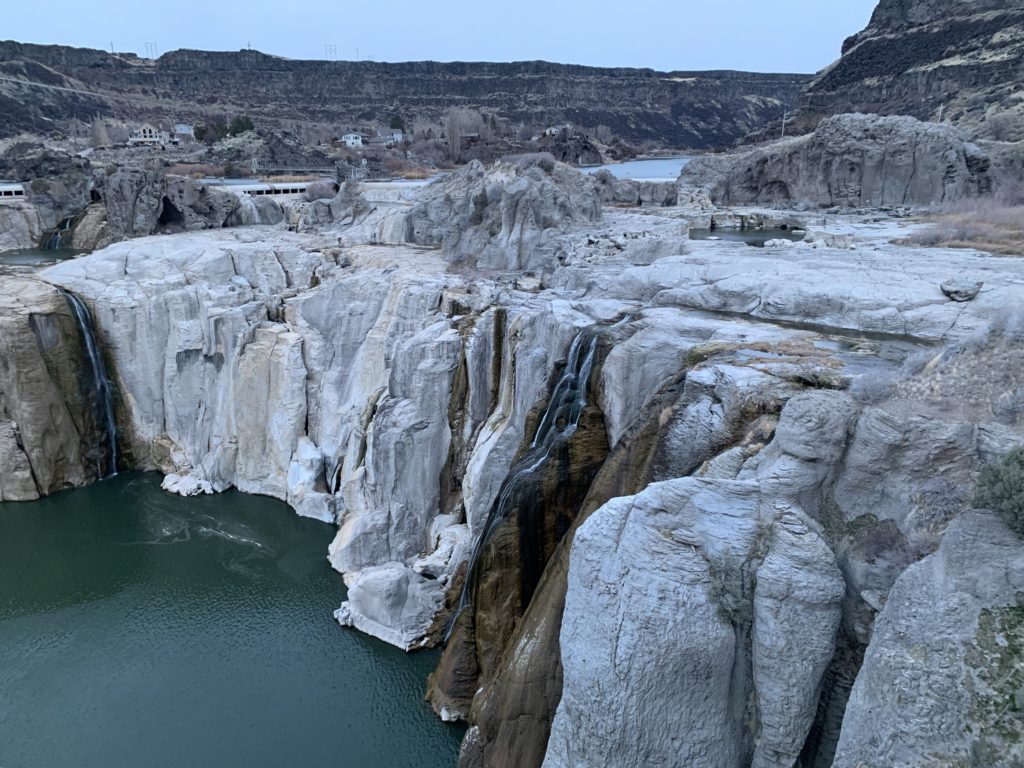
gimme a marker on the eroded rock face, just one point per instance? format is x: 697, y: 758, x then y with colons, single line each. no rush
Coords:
x: 933, y: 59
x: 499, y: 218
x: 57, y: 187
x: 144, y: 202
x: 19, y: 226
x: 46, y: 435
x: 671, y: 574
x: 638, y: 193
x: 941, y: 680
x: 850, y: 161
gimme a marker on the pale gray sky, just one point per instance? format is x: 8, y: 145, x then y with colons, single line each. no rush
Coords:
x: 758, y: 35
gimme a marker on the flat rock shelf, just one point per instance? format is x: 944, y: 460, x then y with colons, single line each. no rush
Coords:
x: 142, y: 628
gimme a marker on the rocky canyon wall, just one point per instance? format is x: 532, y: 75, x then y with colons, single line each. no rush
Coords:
x: 725, y: 562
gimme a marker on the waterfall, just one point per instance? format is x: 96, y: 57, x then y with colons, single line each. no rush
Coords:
x: 56, y: 240
x: 102, y: 387
x: 555, y: 428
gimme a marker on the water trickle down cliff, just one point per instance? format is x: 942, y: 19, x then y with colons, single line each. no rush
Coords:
x: 100, y: 391
x: 535, y: 507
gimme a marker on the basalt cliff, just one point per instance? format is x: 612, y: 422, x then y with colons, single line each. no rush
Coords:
x: 934, y: 60
x: 41, y: 87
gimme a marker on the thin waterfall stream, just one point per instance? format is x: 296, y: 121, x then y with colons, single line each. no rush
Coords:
x: 556, y: 427
x: 102, y: 387
x: 56, y: 240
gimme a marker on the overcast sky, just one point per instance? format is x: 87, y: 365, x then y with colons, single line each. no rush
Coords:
x: 779, y: 36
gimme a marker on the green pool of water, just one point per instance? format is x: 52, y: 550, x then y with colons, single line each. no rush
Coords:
x: 143, y: 629
x: 36, y: 257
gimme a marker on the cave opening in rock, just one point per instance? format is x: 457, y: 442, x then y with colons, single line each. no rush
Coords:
x: 170, y: 215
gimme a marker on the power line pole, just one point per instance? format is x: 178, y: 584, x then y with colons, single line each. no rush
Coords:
x: 151, y: 51
x: 331, y: 52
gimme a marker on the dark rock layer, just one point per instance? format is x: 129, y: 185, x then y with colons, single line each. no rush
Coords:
x: 684, y: 109
x: 932, y: 59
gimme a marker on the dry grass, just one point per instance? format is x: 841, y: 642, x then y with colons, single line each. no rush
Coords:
x: 417, y: 173
x: 292, y: 179
x: 980, y: 224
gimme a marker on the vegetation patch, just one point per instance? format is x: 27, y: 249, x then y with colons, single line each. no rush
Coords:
x: 997, y: 656
x: 1001, y: 489
x: 980, y: 224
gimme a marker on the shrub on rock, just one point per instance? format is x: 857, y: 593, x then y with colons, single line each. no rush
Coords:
x: 1001, y: 489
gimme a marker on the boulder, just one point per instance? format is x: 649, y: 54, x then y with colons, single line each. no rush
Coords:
x: 961, y: 290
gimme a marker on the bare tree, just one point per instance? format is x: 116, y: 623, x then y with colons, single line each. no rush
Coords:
x: 99, y: 136
x: 459, y: 124
x: 1006, y: 126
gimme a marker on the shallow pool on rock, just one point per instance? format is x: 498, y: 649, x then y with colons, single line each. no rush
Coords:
x: 754, y: 237
x: 140, y: 628
x: 36, y: 257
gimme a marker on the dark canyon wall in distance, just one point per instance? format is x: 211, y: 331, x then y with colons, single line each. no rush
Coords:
x: 698, y: 110
x: 934, y: 60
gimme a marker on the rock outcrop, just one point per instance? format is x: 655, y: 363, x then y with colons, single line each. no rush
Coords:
x: 145, y: 202
x: 730, y: 581
x: 58, y: 187
x: 850, y: 161
x: 932, y: 59
x: 942, y: 679
x: 92, y: 207
x: 629, y: 192
x: 502, y: 217
x: 47, y: 433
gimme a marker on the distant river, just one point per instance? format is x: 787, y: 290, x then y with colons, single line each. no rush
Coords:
x: 661, y: 168
x: 143, y: 629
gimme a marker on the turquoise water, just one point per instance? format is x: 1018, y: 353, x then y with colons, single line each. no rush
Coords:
x: 143, y: 629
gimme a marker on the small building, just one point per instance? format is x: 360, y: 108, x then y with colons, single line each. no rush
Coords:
x: 147, y: 135
x: 391, y: 136
x: 352, y: 140
x: 554, y: 130
x: 10, y: 191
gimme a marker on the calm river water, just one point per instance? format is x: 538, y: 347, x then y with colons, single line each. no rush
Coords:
x: 143, y: 629
x: 659, y: 168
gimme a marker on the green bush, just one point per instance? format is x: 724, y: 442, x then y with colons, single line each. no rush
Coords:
x: 1001, y: 488
x: 240, y: 125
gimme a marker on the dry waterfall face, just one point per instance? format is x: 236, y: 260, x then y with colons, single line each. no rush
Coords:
x: 754, y: 547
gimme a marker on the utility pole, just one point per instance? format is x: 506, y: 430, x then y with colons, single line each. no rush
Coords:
x: 151, y: 51
x: 330, y: 52
x: 111, y: 47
